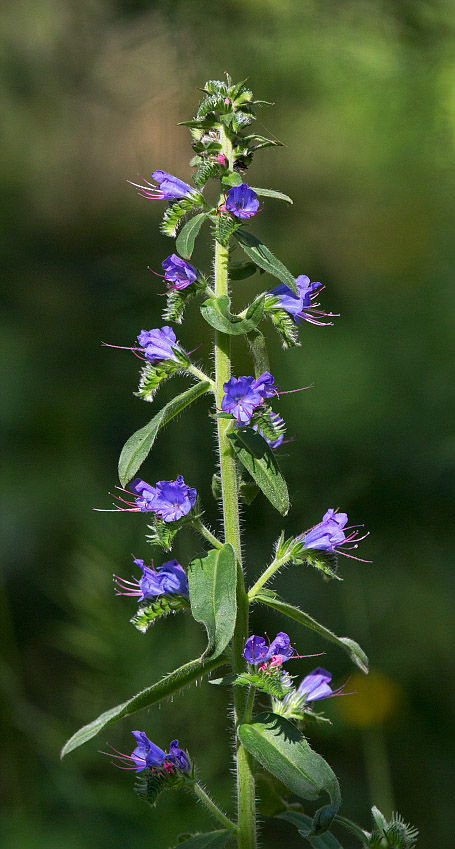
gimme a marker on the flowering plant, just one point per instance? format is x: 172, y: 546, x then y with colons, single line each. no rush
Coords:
x: 213, y: 587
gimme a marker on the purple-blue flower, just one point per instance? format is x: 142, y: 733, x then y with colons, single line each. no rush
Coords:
x: 147, y: 755
x: 158, y: 344
x: 164, y: 580
x: 241, y: 201
x: 178, y: 272
x: 315, y: 686
x: 244, y: 394
x: 302, y: 306
x: 329, y: 534
x: 168, y: 188
x: 170, y: 500
x: 256, y: 650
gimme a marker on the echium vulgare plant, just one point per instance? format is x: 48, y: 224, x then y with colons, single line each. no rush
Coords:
x: 272, y: 710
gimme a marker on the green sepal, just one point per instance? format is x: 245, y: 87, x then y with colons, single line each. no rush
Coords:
x: 226, y: 225
x: 271, y: 193
x: 152, y: 609
x: 151, y: 782
x: 325, y: 561
x: 258, y: 459
x: 353, y: 649
x: 266, y: 424
x: 212, y: 581
x: 262, y: 256
x: 167, y: 686
x: 282, y: 321
x: 177, y: 299
x: 154, y: 374
x: 138, y: 446
x: 209, y: 840
x: 163, y: 533
x: 282, y: 750
x: 187, y: 236
x: 206, y: 169
x: 268, y: 682
x: 304, y: 825
x: 176, y: 211
x: 232, y: 179
x: 242, y: 270
x: 217, y: 313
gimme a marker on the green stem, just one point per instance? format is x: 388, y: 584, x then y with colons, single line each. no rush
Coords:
x: 274, y: 566
x: 204, y: 378
x: 203, y: 797
x: 246, y: 834
x: 207, y: 534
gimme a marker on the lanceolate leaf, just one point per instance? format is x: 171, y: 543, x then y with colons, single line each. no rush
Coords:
x: 187, y: 236
x: 282, y: 750
x: 305, y: 825
x: 212, y: 580
x: 262, y: 256
x: 254, y: 453
x: 271, y: 193
x: 138, y: 446
x: 209, y: 840
x: 356, y: 654
x: 216, y: 312
x: 167, y: 686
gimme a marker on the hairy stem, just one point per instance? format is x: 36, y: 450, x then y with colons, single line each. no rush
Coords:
x: 267, y: 574
x: 203, y: 797
x: 246, y: 834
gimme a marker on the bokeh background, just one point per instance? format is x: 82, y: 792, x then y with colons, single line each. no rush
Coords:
x: 91, y: 93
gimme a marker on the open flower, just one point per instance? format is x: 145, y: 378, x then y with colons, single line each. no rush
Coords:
x: 329, y: 534
x: 242, y: 201
x: 178, y: 273
x: 166, y: 579
x: 244, y: 394
x: 170, y: 500
x: 168, y: 188
x: 147, y: 755
x: 158, y: 344
x: 256, y: 650
x: 302, y: 306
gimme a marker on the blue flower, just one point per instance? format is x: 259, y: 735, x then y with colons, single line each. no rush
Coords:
x: 169, y: 187
x: 315, y: 686
x: 256, y: 650
x: 170, y: 500
x: 158, y: 344
x: 329, y: 534
x: 178, y: 272
x: 164, y: 580
x: 302, y: 306
x: 244, y: 394
x: 241, y: 201
x: 147, y: 755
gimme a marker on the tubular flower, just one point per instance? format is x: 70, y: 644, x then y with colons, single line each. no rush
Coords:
x: 244, y: 394
x: 158, y: 344
x: 164, y: 580
x: 315, y: 686
x: 178, y: 274
x: 329, y: 534
x: 147, y: 755
x: 170, y: 500
x: 168, y: 188
x: 269, y: 656
x: 242, y: 201
x: 302, y: 306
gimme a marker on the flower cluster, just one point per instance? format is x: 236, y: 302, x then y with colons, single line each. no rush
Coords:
x: 268, y: 656
x: 147, y: 755
x: 167, y: 579
x: 302, y: 306
x: 170, y: 500
x: 244, y: 394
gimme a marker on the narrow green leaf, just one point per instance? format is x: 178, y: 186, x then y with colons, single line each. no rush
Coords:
x: 262, y: 256
x: 216, y: 312
x: 258, y: 459
x: 167, y: 686
x: 353, y: 649
x: 304, y: 825
x: 209, y: 840
x: 271, y: 193
x: 282, y: 750
x: 242, y: 270
x: 138, y: 446
x: 212, y: 580
x: 187, y: 236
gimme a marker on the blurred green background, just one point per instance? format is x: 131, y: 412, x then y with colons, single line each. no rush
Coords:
x: 365, y: 106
